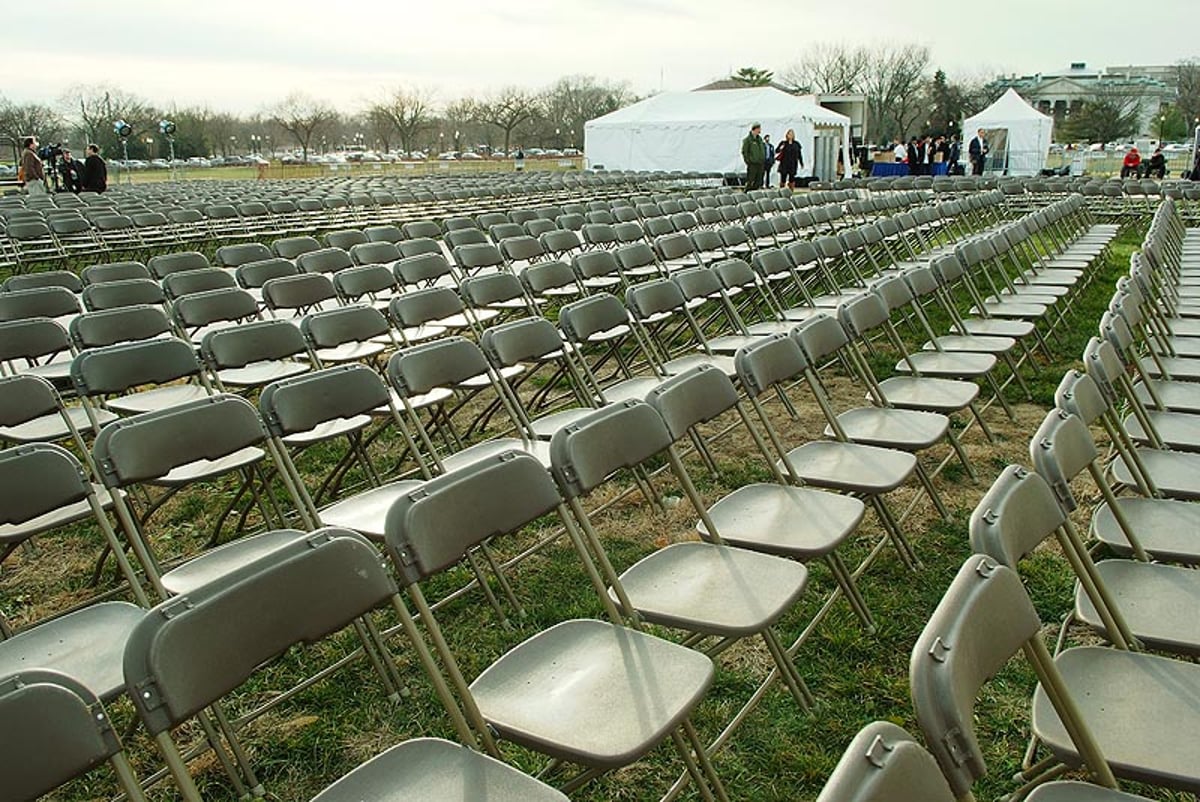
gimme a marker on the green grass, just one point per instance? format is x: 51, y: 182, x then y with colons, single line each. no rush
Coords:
x: 780, y: 753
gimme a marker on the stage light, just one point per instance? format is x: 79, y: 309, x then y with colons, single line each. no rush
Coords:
x: 123, y: 129
x: 166, y: 127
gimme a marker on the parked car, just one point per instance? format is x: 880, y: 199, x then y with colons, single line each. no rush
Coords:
x: 448, y: 156
x: 471, y: 156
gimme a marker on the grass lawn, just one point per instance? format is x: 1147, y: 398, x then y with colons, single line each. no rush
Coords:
x: 780, y: 753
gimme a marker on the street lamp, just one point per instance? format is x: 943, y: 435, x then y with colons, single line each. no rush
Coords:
x: 456, y: 145
x: 233, y: 146
x: 149, y: 143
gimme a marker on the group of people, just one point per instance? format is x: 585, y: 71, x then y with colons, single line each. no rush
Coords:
x: 1154, y: 167
x: 89, y: 175
x: 921, y: 153
x: 760, y: 156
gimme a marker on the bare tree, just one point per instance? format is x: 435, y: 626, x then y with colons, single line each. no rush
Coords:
x: 1187, y: 79
x: 829, y: 68
x: 571, y: 101
x: 19, y: 120
x: 1113, y: 112
x: 302, y: 117
x: 95, y: 109
x: 508, y: 109
x: 892, y: 83
x: 405, y: 111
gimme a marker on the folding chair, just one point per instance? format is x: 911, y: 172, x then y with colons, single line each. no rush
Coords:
x: 54, y: 730
x: 110, y: 376
x: 569, y: 692
x: 1111, y: 712
x: 252, y: 355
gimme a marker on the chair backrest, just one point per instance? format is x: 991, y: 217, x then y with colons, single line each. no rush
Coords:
x: 384, y: 233
x: 302, y: 403
x: 291, y: 247
x: 821, y: 335
x: 522, y: 340
x: 761, y: 365
x: 262, y: 340
x: 584, y: 454
x: 421, y: 229
x: 242, y: 253
x: 1017, y: 513
x: 422, y: 268
x: 861, y: 314
x: 654, y: 297
x: 151, y: 445
x: 113, y: 271
x: 59, y: 731
x: 33, y: 338
x: 1077, y: 394
x: 35, y: 478
x: 256, y: 274
x: 545, y: 276
x: 190, y: 651
x: 582, y: 319
x: 347, y: 324
x: 191, y: 282
x: 373, y: 253
x: 983, y: 620
x: 126, y: 324
x: 165, y: 264
x: 1061, y: 448
x: 345, y: 239
x: 129, y: 292
x: 691, y: 398
x: 298, y: 292
x: 422, y: 306
x: 431, y: 530
x: 203, y: 308
x: 422, y: 368
x: 326, y: 260
x: 117, y: 368
x: 884, y: 764
x: 418, y: 246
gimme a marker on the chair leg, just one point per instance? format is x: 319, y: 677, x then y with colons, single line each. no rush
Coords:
x: 899, y: 541
x: 845, y: 581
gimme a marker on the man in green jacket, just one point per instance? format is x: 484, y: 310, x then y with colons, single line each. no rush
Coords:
x: 754, y: 154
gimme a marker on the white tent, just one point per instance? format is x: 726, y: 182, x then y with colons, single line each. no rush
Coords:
x: 703, y: 130
x: 1019, y: 135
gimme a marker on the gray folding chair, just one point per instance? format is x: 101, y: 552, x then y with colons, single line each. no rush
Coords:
x: 52, y: 730
x: 254, y: 354
x: 1108, y: 711
x: 302, y: 590
x: 112, y: 375
x: 854, y: 468
x: 571, y: 691
x: 710, y: 589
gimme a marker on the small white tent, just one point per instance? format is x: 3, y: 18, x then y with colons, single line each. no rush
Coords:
x: 703, y: 130
x: 1019, y: 135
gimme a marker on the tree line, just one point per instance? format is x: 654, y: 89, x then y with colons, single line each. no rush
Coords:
x: 406, y: 118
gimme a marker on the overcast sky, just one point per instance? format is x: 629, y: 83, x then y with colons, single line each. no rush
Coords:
x: 244, y: 56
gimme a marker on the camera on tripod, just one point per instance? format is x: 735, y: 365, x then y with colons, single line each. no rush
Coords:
x: 50, y: 152
x: 51, y: 155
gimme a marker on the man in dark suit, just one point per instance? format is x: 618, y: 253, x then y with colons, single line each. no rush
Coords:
x: 976, y: 151
x: 912, y: 156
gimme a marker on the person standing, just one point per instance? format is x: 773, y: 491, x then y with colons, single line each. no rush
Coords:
x: 791, y: 159
x: 70, y: 172
x: 910, y: 156
x: 31, y: 168
x: 954, y: 154
x: 753, y: 154
x: 95, y: 171
x: 768, y: 159
x: 899, y: 153
x: 977, y: 149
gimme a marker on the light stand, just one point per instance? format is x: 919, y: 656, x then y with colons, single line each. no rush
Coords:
x: 167, y: 129
x: 124, y: 130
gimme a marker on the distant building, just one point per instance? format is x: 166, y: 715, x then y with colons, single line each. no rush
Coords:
x: 1063, y: 93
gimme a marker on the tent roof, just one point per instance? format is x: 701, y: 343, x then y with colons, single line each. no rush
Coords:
x: 1009, y: 108
x: 722, y: 105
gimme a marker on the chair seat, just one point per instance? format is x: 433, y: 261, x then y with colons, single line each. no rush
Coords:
x: 328, y: 430
x: 972, y: 344
x: 997, y: 327
x: 797, y: 522
x: 730, y: 343
x: 935, y: 395
x: 1013, y: 309
x: 851, y: 467
x: 716, y: 590
x: 484, y: 380
x: 592, y: 693
x: 158, y: 398
x: 432, y: 769
x: 908, y: 430
x: 259, y: 373
x: 947, y: 363
x: 1159, y: 603
x: 1185, y: 346
x: 1179, y: 368
x: 218, y: 563
x: 636, y: 388
x: 1179, y: 430
x: 1184, y: 327
x: 545, y: 426
x: 206, y: 468
x: 1178, y: 396
x: 366, y: 512
x: 49, y: 428
x: 1141, y: 708
x: 685, y: 363
x: 1175, y: 473
x: 490, y: 448
x: 88, y: 645
x: 1071, y: 791
x: 350, y: 352
x: 1167, y: 529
